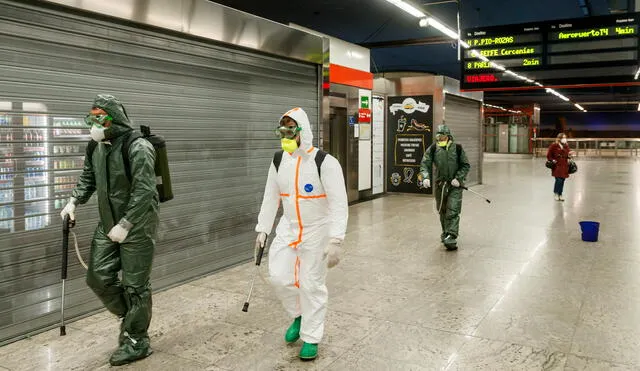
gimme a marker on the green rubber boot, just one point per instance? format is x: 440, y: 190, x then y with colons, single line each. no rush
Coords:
x: 122, y: 336
x: 131, y: 351
x: 293, y: 333
x: 308, y: 351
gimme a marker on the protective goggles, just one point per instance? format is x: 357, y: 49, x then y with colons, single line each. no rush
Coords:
x: 287, y: 132
x: 98, y: 120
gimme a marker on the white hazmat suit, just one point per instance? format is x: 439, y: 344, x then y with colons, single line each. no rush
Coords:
x: 315, y: 212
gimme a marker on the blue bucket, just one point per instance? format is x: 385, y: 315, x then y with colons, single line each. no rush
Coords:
x: 590, y: 231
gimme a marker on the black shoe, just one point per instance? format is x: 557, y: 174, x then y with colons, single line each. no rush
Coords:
x: 451, y: 247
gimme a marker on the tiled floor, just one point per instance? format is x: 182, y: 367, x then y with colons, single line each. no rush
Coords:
x: 522, y: 293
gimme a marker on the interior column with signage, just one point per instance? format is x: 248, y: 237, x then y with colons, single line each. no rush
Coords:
x: 364, y: 140
x: 409, y: 134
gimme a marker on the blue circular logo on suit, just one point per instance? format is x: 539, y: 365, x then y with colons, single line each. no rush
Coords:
x: 308, y: 188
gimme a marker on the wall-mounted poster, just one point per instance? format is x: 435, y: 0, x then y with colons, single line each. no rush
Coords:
x: 409, y: 134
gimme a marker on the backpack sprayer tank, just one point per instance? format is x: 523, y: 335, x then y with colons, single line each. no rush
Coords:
x: 163, y: 178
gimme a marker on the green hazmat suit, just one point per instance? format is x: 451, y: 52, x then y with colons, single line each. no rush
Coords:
x: 449, y: 166
x: 133, y: 205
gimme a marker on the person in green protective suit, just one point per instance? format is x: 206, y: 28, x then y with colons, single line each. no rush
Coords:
x: 452, y: 168
x: 125, y: 236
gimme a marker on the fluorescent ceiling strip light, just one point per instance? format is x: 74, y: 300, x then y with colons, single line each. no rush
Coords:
x: 501, y: 108
x: 497, y: 66
x: 638, y: 106
x: 637, y: 74
x: 408, y: 8
x: 430, y: 21
x: 579, y: 107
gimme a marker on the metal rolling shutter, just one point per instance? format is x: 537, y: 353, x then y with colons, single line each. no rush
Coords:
x: 463, y: 118
x: 216, y: 106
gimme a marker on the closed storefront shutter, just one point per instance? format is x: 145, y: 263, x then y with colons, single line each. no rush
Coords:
x: 463, y: 118
x: 216, y: 106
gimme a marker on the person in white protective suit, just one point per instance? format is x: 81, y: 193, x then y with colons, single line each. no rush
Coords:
x: 310, y: 185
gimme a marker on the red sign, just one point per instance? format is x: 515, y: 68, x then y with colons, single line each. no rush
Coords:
x: 487, y: 77
x: 364, y: 115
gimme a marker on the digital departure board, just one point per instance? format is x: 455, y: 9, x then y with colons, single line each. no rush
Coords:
x: 601, y: 50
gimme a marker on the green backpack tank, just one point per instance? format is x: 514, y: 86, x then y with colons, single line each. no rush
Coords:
x: 161, y: 167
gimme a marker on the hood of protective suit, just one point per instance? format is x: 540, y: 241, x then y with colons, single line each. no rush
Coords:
x: 114, y: 108
x: 306, y: 135
x: 444, y: 130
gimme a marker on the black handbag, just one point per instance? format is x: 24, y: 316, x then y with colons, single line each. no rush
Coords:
x: 550, y: 164
x: 573, y: 168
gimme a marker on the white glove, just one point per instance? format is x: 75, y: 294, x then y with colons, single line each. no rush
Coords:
x: 70, y: 210
x: 426, y: 183
x: 332, y: 252
x: 260, y: 240
x: 118, y: 233
x: 455, y: 183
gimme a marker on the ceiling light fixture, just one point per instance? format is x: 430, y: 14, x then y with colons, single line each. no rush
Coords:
x: 497, y: 66
x: 637, y: 74
x: 501, y: 108
x: 430, y: 21
x: 408, y: 8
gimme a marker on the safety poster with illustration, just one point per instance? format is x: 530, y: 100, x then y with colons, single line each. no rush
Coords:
x: 409, y: 133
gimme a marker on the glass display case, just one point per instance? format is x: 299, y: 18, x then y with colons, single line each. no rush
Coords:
x: 7, y: 171
x: 34, y: 172
x: 41, y: 156
x: 70, y: 136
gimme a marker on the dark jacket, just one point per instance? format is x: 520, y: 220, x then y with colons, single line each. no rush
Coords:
x: 559, y: 153
x: 119, y: 199
x: 449, y: 165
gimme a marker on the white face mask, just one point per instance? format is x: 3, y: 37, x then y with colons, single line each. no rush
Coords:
x: 97, y: 133
x: 563, y: 140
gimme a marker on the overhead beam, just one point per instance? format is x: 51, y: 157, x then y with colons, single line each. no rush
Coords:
x: 440, y: 2
x: 608, y: 103
x: 399, y: 43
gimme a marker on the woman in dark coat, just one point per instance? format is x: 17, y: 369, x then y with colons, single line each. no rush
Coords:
x: 560, y: 153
